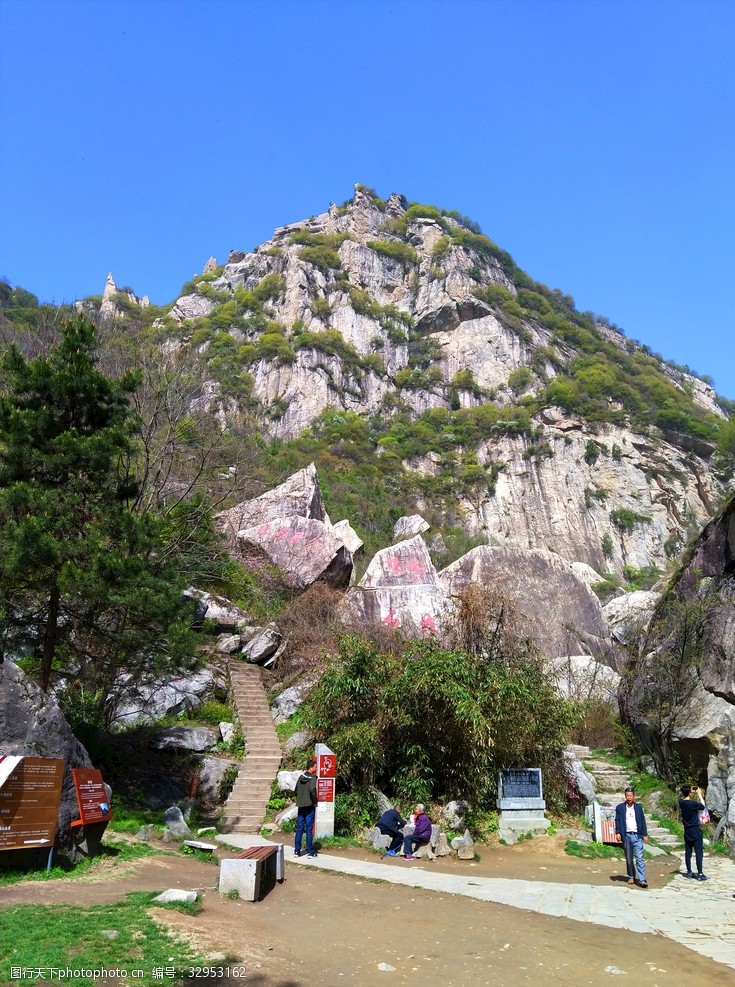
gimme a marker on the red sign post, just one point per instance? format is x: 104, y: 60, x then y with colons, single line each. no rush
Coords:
x: 91, y: 796
x: 325, y: 786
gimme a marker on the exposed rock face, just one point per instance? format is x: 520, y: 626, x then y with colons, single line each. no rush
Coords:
x: 400, y: 589
x: 32, y: 724
x: 568, y: 504
x: 304, y: 550
x: 561, y: 611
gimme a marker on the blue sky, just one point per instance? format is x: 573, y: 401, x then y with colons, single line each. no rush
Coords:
x: 593, y: 140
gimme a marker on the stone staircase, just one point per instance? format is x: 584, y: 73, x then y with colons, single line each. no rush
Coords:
x: 610, y: 783
x: 245, y: 807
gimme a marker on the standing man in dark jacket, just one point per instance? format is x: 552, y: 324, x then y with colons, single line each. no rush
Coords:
x: 421, y: 834
x: 391, y: 824
x: 690, y: 806
x: 632, y: 832
x: 306, y: 803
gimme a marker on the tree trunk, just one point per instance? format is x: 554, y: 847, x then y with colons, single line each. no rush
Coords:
x: 49, y: 638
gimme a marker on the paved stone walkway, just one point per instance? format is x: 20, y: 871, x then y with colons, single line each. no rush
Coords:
x: 700, y: 915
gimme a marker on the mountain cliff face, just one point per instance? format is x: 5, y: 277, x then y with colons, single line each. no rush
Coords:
x: 542, y: 426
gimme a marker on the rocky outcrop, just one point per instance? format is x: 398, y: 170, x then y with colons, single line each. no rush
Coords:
x: 560, y: 610
x: 703, y: 732
x: 396, y: 283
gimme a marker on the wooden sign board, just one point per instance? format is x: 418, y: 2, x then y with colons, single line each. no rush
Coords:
x: 29, y: 804
x: 91, y: 795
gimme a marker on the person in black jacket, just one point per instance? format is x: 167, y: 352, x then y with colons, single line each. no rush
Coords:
x: 306, y: 803
x: 690, y: 806
x: 632, y: 832
x: 391, y: 824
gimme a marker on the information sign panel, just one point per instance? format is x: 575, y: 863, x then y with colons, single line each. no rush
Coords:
x: 325, y: 789
x: 29, y: 804
x: 91, y: 795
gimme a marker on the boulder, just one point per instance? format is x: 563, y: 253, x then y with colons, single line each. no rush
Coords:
x: 299, y: 739
x: 197, y: 739
x: 298, y: 496
x: 262, y: 645
x: 226, y: 731
x: 581, y: 780
x: 303, y: 549
x: 31, y: 724
x: 560, y: 610
x: 409, y: 526
x: 454, y: 812
x: 173, y: 820
x: 400, y: 589
x: 211, y: 772
x: 286, y: 704
x: 224, y: 614
x: 287, y: 780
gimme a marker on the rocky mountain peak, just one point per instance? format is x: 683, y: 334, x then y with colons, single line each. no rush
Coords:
x: 541, y: 426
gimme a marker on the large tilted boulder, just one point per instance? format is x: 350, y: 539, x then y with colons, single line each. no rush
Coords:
x: 31, y: 724
x: 306, y: 551
x: 400, y: 589
x: 298, y: 496
x: 560, y: 610
x: 628, y: 615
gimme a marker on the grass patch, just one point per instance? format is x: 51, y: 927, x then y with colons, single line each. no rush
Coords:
x: 120, y: 936
x: 112, y: 850
x: 671, y: 825
x: 337, y: 842
x: 593, y: 851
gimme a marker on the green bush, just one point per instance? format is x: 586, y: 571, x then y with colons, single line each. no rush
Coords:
x: 213, y: 713
x: 323, y: 257
x: 432, y: 721
x: 519, y: 380
x: 355, y: 811
x: 396, y: 250
x: 626, y: 519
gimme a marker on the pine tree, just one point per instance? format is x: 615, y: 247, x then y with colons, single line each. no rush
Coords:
x: 86, y: 583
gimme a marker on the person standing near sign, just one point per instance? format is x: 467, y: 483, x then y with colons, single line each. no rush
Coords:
x: 690, y: 806
x: 632, y: 832
x: 306, y: 804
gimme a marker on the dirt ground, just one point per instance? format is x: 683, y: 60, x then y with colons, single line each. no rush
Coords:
x: 326, y: 929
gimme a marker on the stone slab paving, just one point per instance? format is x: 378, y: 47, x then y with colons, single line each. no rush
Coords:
x: 699, y: 915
